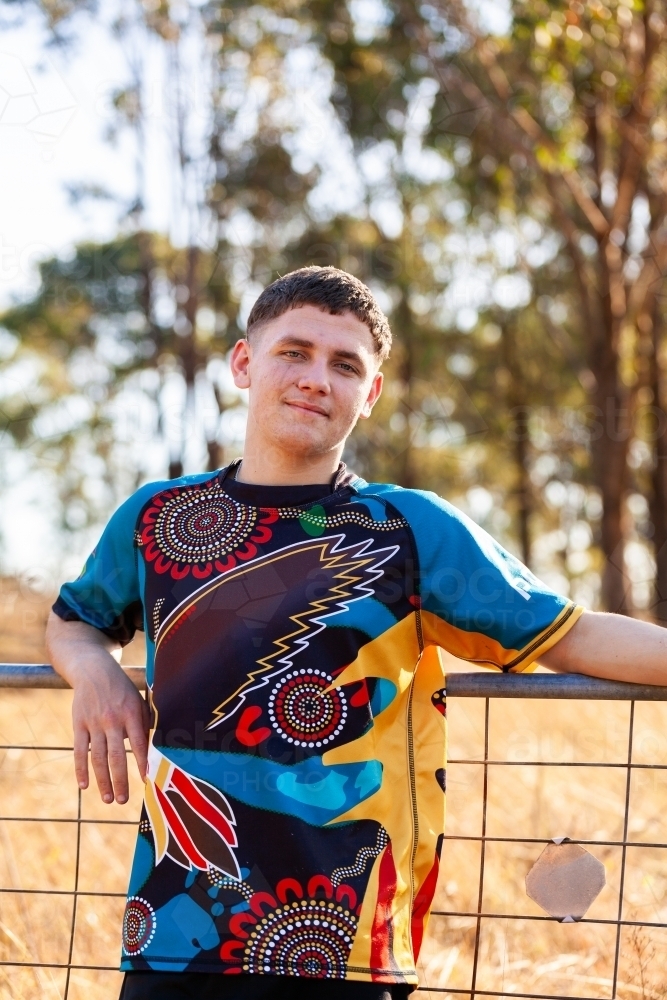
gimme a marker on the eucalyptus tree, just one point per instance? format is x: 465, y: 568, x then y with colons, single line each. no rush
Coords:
x: 92, y: 383
x: 501, y: 192
x: 436, y: 255
x: 572, y: 101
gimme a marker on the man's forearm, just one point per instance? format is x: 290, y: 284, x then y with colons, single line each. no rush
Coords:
x: 614, y: 647
x: 70, y: 645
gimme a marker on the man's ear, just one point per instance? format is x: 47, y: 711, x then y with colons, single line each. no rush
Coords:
x: 373, y: 396
x: 239, y: 363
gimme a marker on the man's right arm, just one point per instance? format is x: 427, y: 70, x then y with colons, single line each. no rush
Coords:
x: 106, y: 708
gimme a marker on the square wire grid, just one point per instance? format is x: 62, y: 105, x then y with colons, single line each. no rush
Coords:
x: 479, y: 914
x: 473, y: 685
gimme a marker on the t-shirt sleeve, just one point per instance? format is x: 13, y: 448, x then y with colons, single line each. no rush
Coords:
x: 106, y: 594
x: 478, y: 601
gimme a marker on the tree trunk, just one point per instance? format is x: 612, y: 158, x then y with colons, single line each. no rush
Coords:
x: 611, y: 439
x: 611, y: 461
x: 517, y: 405
x: 405, y: 471
x: 215, y: 455
x: 523, y: 490
x: 216, y: 451
x: 189, y: 342
x: 189, y: 357
x: 658, y: 506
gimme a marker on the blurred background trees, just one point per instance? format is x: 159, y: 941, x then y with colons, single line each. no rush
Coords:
x: 497, y: 176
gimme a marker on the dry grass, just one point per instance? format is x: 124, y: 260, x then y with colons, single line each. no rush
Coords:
x: 516, y: 956
x: 546, y: 958
x: 23, y: 614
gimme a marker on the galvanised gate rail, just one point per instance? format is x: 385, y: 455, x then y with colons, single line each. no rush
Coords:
x: 486, y: 686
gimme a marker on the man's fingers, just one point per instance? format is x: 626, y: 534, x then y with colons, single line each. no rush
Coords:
x: 81, y: 741
x: 105, y: 731
x: 118, y: 764
x: 136, y: 734
x: 99, y: 760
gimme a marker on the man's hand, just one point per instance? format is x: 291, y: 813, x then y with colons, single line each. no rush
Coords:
x: 107, y: 707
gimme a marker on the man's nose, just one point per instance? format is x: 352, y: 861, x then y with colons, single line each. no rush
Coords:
x: 315, y: 379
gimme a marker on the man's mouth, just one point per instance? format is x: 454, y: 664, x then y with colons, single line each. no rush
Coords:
x: 308, y: 407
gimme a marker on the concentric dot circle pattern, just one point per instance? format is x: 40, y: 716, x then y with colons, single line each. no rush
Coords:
x: 303, y: 711
x: 138, y: 925
x: 309, y: 937
x: 197, y: 526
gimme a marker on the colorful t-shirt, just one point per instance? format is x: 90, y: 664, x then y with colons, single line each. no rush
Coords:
x: 294, y: 805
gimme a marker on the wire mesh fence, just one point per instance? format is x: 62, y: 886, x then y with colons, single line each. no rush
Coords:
x: 600, y: 796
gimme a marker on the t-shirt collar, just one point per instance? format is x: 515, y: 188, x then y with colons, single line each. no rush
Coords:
x: 342, y: 476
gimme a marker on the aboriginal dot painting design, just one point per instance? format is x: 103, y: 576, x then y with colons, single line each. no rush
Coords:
x: 294, y: 628
x: 201, y: 529
x: 220, y: 880
x: 309, y: 937
x: 138, y: 925
x: 304, y: 712
x: 326, y: 521
x: 194, y: 527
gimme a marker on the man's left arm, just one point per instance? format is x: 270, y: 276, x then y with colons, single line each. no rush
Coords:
x: 614, y: 647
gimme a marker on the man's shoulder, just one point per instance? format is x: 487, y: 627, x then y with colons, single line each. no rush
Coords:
x: 164, y: 485
x: 433, y: 520
x: 424, y: 510
x: 134, y: 504
x: 418, y: 502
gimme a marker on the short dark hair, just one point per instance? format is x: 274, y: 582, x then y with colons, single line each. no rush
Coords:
x: 328, y: 289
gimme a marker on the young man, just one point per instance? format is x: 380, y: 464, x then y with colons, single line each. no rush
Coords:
x: 294, y: 774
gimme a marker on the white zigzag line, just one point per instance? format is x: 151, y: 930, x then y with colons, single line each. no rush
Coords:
x: 213, y: 580
x: 302, y: 643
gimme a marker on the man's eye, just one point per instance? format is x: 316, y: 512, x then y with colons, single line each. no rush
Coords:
x: 347, y: 368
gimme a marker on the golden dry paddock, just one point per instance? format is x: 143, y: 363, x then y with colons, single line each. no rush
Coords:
x: 529, y: 957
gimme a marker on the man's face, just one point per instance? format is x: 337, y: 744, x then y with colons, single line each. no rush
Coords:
x: 311, y: 377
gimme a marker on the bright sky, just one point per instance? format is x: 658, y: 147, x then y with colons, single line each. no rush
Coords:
x: 55, y: 116
x: 54, y: 113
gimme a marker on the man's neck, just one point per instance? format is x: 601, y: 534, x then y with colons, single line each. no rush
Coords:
x: 287, y: 470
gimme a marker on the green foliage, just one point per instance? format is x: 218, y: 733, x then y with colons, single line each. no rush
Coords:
x: 83, y: 346
x: 503, y: 196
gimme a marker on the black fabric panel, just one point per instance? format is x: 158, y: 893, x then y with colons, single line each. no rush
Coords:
x: 121, y: 630
x: 212, y: 986
x: 276, y: 496
x: 283, y: 496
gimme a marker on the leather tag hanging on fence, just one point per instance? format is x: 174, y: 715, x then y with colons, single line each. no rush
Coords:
x: 565, y: 880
